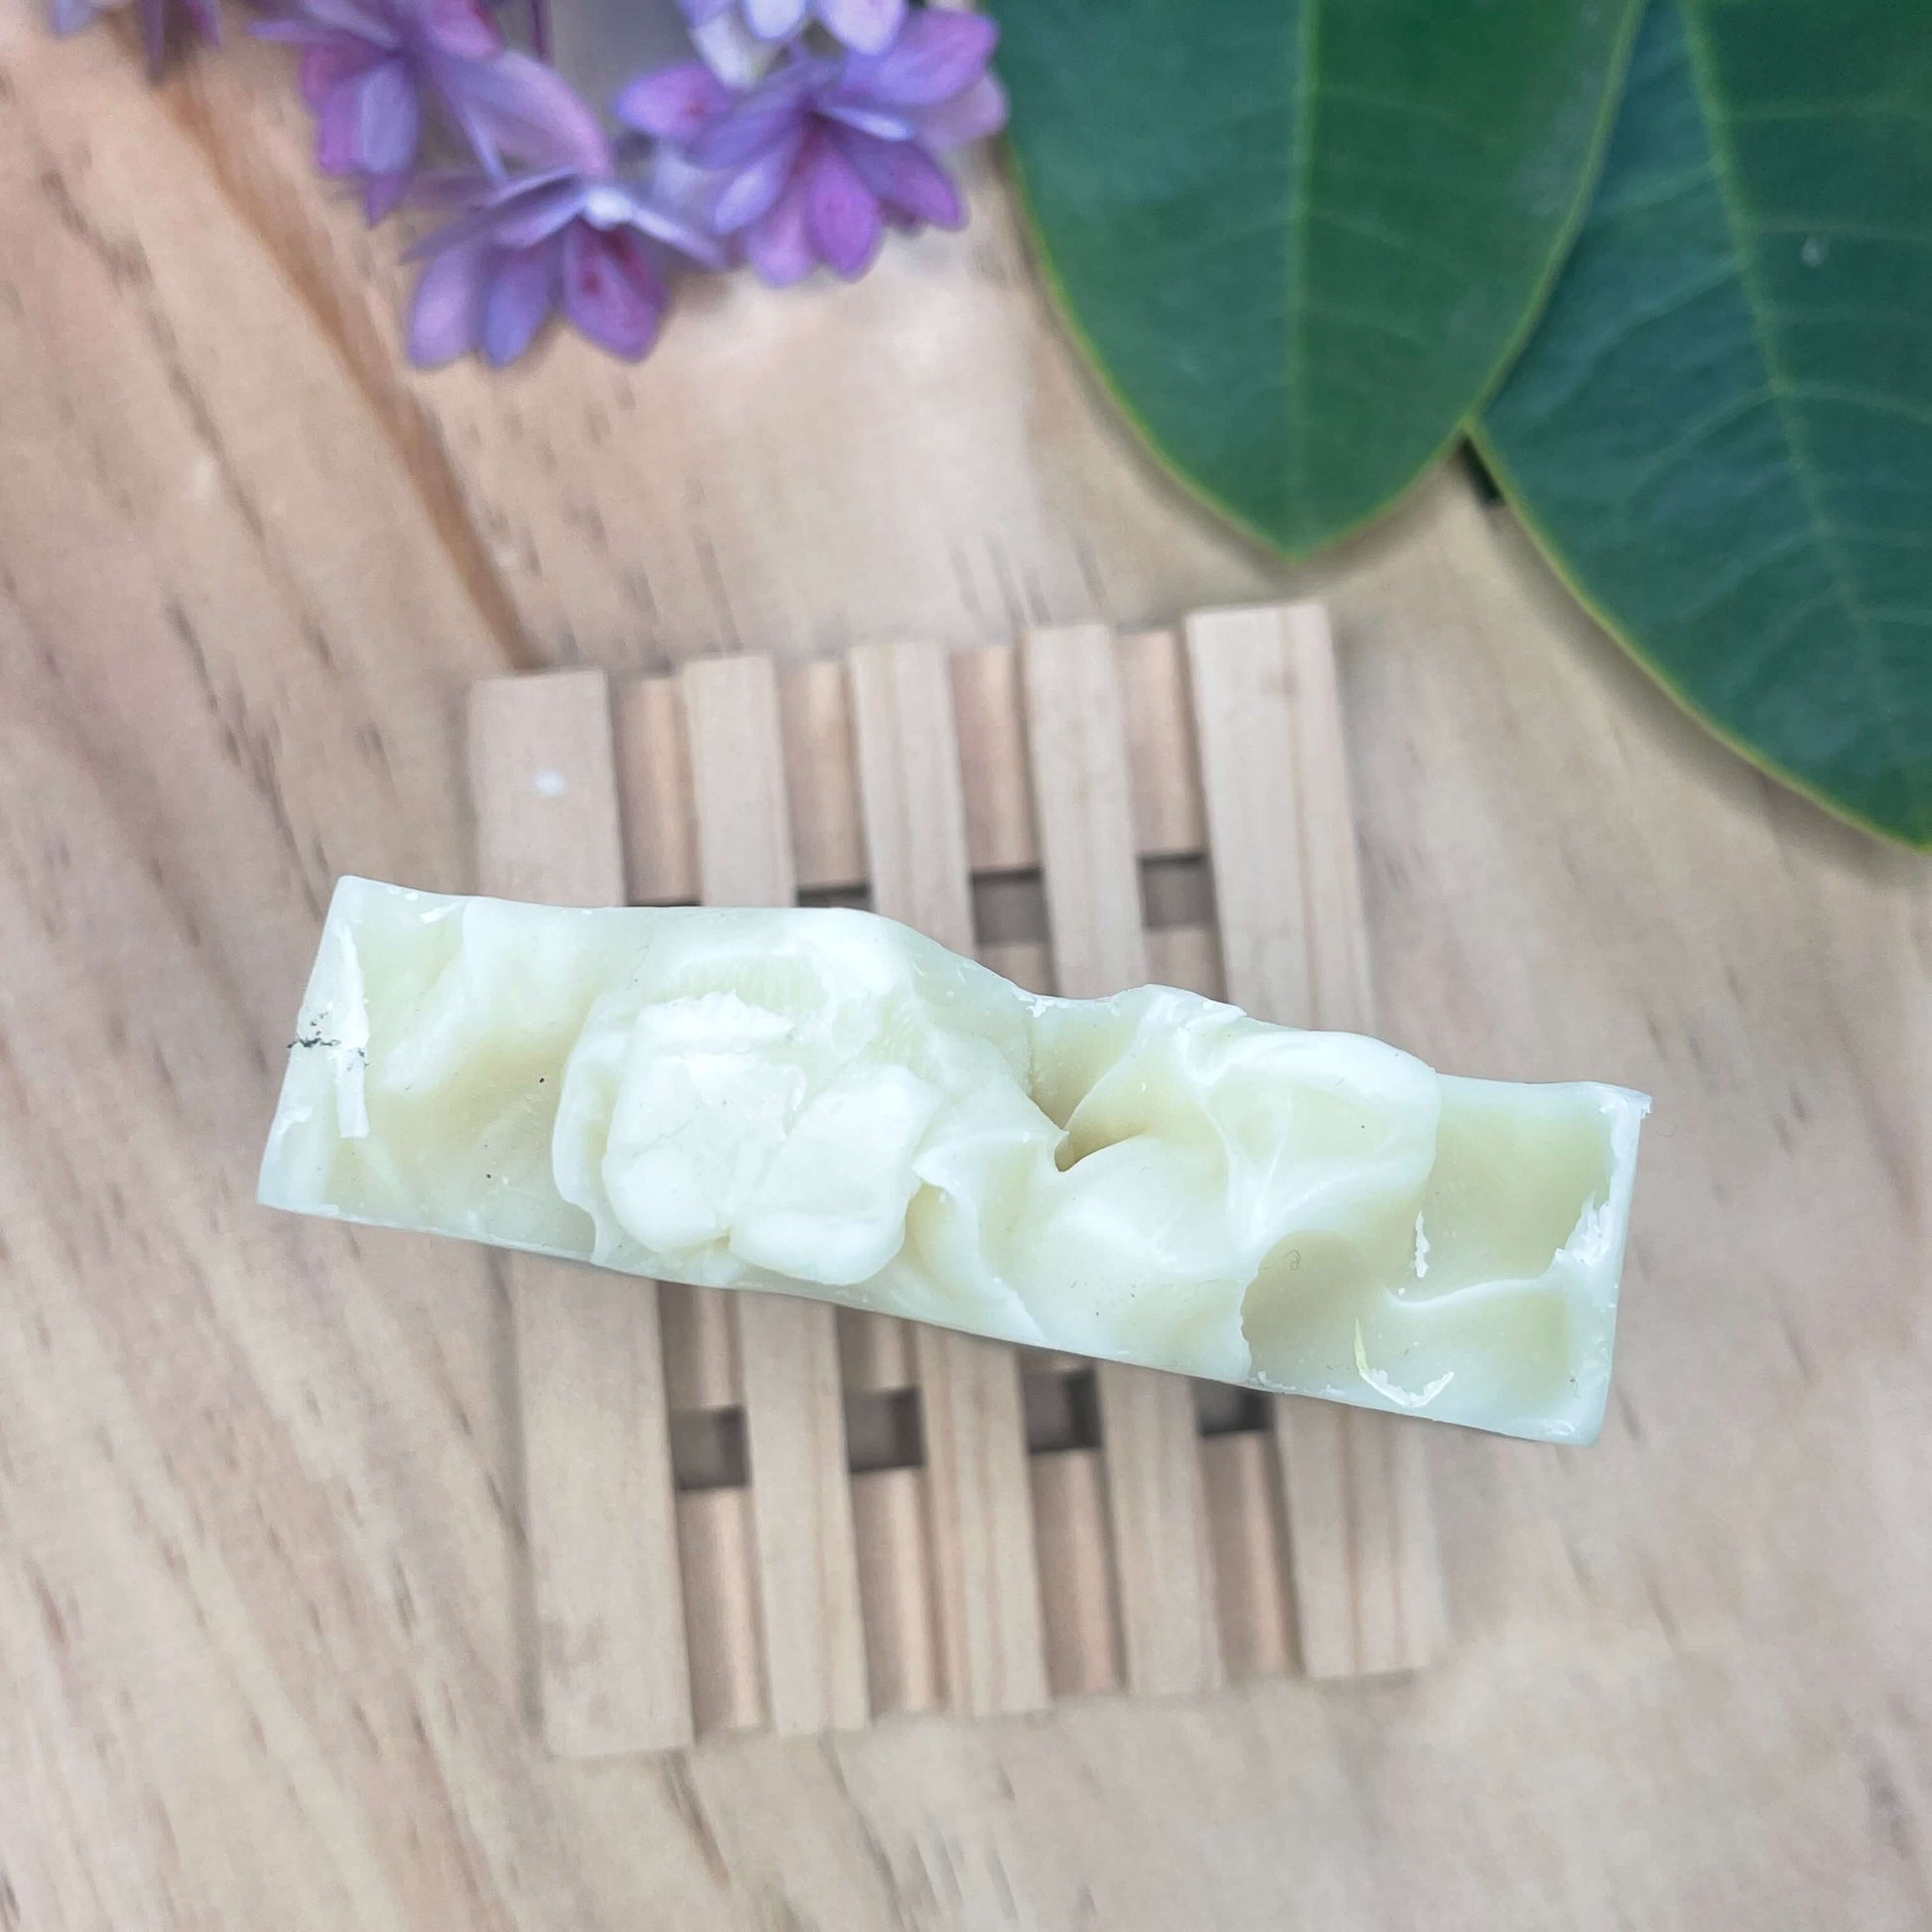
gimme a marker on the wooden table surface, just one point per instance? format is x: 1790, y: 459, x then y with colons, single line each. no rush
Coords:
x: 263, y: 1657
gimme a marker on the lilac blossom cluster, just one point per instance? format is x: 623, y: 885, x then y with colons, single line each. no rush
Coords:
x: 828, y: 132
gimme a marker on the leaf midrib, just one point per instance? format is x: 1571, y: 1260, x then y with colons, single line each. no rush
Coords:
x: 1744, y: 241
x: 1300, y: 197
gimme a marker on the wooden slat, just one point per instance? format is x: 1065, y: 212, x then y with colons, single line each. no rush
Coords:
x: 1050, y: 1361
x: 1160, y: 755
x: 1001, y: 829
x: 1076, y: 1582
x: 1084, y: 811
x: 1177, y: 955
x: 700, y: 1347
x: 828, y: 838
x: 1082, y: 795
x: 1246, y: 1537
x: 1026, y: 962
x: 827, y: 834
x: 875, y: 1353
x: 738, y: 782
x: 660, y: 838
x: 992, y: 734
x: 720, y: 1610
x: 1187, y: 955
x: 596, y: 1464
x: 987, y: 1585
x: 890, y: 1529
x: 1342, y: 992
x: 910, y: 790
x: 660, y: 846
x: 788, y: 1355
x: 1367, y: 1581
x: 1402, y: 1621
x: 878, y: 1345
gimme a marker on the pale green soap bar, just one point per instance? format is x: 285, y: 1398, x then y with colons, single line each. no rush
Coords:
x: 827, y: 1104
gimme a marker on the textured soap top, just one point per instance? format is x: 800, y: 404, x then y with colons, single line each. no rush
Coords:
x: 825, y: 1103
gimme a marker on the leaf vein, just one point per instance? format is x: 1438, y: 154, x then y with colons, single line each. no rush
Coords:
x: 1699, y: 430
x: 1738, y: 218
x: 1392, y: 239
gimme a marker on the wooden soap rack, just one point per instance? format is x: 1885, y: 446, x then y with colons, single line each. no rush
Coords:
x: 751, y: 1512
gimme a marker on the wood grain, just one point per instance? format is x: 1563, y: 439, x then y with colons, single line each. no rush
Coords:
x: 654, y: 756
x: 789, y: 1352
x: 1162, y: 762
x: 717, y: 1573
x: 262, y: 1657
x: 1085, y: 830
x: 828, y: 835
x: 1077, y: 1569
x: 1247, y: 1540
x: 905, y: 1668
x: 1361, y: 1537
x: 611, y: 1654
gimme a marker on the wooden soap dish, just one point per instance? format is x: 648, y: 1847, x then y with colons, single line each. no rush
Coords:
x: 751, y: 1512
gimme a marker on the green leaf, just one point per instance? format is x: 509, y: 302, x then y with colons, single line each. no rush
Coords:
x: 1721, y: 431
x: 1301, y: 238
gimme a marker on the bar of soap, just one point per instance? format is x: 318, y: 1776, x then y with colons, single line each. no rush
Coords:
x: 824, y: 1103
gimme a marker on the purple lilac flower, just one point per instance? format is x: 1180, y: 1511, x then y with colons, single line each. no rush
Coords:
x: 865, y: 25
x: 814, y: 161
x: 370, y: 67
x: 202, y: 16
x: 570, y: 236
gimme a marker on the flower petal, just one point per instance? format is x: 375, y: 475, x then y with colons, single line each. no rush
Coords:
x: 388, y: 118
x: 904, y: 177
x: 518, y: 300
x: 382, y: 195
x: 460, y: 27
x: 666, y: 225
x: 154, y: 33
x: 674, y: 103
x: 372, y: 23
x: 773, y: 112
x: 523, y: 109
x: 339, y: 120
x: 446, y: 309
x: 523, y: 217
x: 981, y: 110
x: 841, y: 212
x: 937, y: 55
x: 755, y: 188
x: 680, y: 197
x: 612, y: 291
x: 731, y: 50
x: 697, y: 12
x: 327, y: 64
x: 865, y: 26
x: 775, y: 20
x: 465, y: 188
x: 777, y: 244
x: 69, y: 16
x: 864, y: 113
x: 515, y: 216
